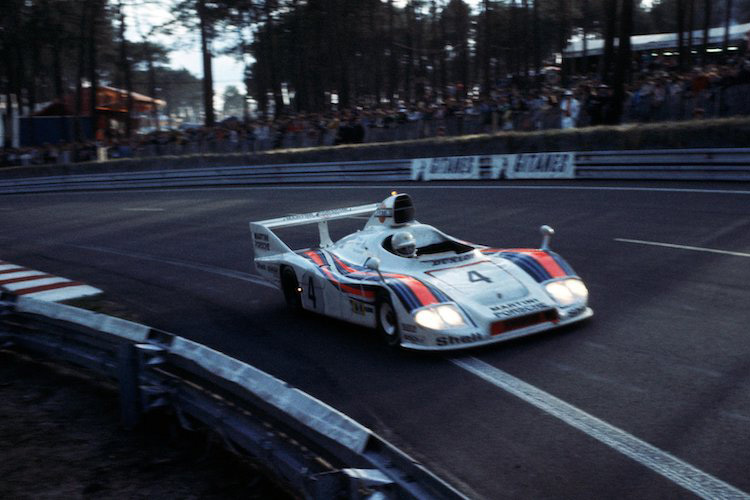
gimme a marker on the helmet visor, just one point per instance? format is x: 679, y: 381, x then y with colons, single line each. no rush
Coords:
x: 407, y: 249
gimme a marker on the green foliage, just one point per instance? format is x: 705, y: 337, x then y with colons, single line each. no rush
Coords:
x: 180, y: 88
x: 363, y: 51
x: 234, y: 102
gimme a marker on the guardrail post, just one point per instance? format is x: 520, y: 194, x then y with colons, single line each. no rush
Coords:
x: 369, y: 484
x: 129, y: 381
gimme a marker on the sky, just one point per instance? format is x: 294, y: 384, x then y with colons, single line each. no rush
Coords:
x: 142, y: 16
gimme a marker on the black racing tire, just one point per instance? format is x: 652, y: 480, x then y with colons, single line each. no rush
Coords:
x: 387, y: 321
x: 290, y: 287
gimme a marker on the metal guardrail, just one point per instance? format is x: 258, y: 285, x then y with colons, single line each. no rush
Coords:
x: 311, y: 447
x: 379, y: 171
x: 665, y: 164
x: 687, y: 164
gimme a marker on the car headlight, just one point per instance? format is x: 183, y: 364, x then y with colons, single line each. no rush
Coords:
x: 561, y: 293
x: 439, y: 317
x: 578, y: 288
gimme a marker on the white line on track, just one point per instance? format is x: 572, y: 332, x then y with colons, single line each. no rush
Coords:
x: 144, y: 209
x: 400, y: 187
x: 229, y: 273
x: 683, y: 247
x: 694, y: 480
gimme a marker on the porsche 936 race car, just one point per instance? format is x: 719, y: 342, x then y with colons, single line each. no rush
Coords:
x: 419, y: 287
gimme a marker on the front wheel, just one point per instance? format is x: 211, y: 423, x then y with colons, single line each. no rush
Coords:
x: 388, y: 322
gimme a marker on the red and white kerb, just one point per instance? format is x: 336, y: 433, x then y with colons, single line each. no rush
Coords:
x: 26, y: 282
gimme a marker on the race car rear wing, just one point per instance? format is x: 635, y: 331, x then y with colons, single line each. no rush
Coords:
x: 267, y: 243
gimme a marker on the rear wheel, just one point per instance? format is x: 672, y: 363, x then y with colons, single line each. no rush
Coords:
x: 290, y: 287
x: 388, y: 322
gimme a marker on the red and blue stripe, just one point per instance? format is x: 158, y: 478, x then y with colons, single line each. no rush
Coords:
x: 542, y: 265
x: 412, y: 292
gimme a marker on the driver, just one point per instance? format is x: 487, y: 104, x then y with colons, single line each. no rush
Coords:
x: 404, y: 244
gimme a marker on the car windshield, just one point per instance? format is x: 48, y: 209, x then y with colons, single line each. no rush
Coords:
x: 429, y: 241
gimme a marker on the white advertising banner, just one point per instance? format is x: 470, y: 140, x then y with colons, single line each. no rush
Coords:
x: 534, y: 166
x: 448, y: 168
x: 501, y: 164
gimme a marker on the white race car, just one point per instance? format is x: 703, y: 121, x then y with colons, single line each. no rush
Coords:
x: 420, y: 288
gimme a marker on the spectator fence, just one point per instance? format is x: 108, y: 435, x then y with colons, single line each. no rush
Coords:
x: 715, y: 102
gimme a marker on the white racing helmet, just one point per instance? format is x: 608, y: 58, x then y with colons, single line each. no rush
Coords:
x: 404, y: 244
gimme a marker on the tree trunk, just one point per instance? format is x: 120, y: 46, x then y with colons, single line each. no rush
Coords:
x: 443, y: 63
x: 622, y: 69
x: 727, y: 24
x: 706, y: 26
x: 8, y: 124
x: 537, y: 39
x: 409, y: 42
x: 562, y: 31
x: 57, y: 73
x: 298, y: 56
x: 152, y: 90
x: 586, y: 8
x: 93, y: 79
x: 81, y: 71
x: 125, y: 67
x: 525, y: 52
x: 341, y: 40
x: 419, y: 49
x: 562, y: 36
x: 435, y: 55
x: 486, y: 84
x: 34, y: 77
x: 392, y: 60
x: 690, y: 28
x: 377, y: 52
x: 57, y: 76
x: 681, y: 33
x: 609, y: 40
x: 512, y: 56
x: 208, y: 83
x: 10, y: 72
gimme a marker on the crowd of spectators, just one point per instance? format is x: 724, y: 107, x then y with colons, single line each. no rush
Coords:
x: 657, y: 92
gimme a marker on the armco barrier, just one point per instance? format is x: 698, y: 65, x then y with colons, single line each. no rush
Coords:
x: 665, y: 164
x: 382, y: 171
x: 687, y: 164
x: 314, y: 449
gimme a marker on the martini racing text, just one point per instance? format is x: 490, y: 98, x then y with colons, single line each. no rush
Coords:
x: 517, y: 308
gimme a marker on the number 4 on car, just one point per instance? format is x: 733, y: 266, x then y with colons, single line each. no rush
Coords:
x: 417, y: 286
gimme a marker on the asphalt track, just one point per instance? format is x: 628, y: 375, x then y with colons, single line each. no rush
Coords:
x: 649, y: 399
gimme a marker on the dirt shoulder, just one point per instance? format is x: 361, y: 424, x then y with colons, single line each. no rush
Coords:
x: 60, y: 437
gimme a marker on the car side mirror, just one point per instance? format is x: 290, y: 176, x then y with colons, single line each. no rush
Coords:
x: 547, y: 233
x: 373, y: 263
